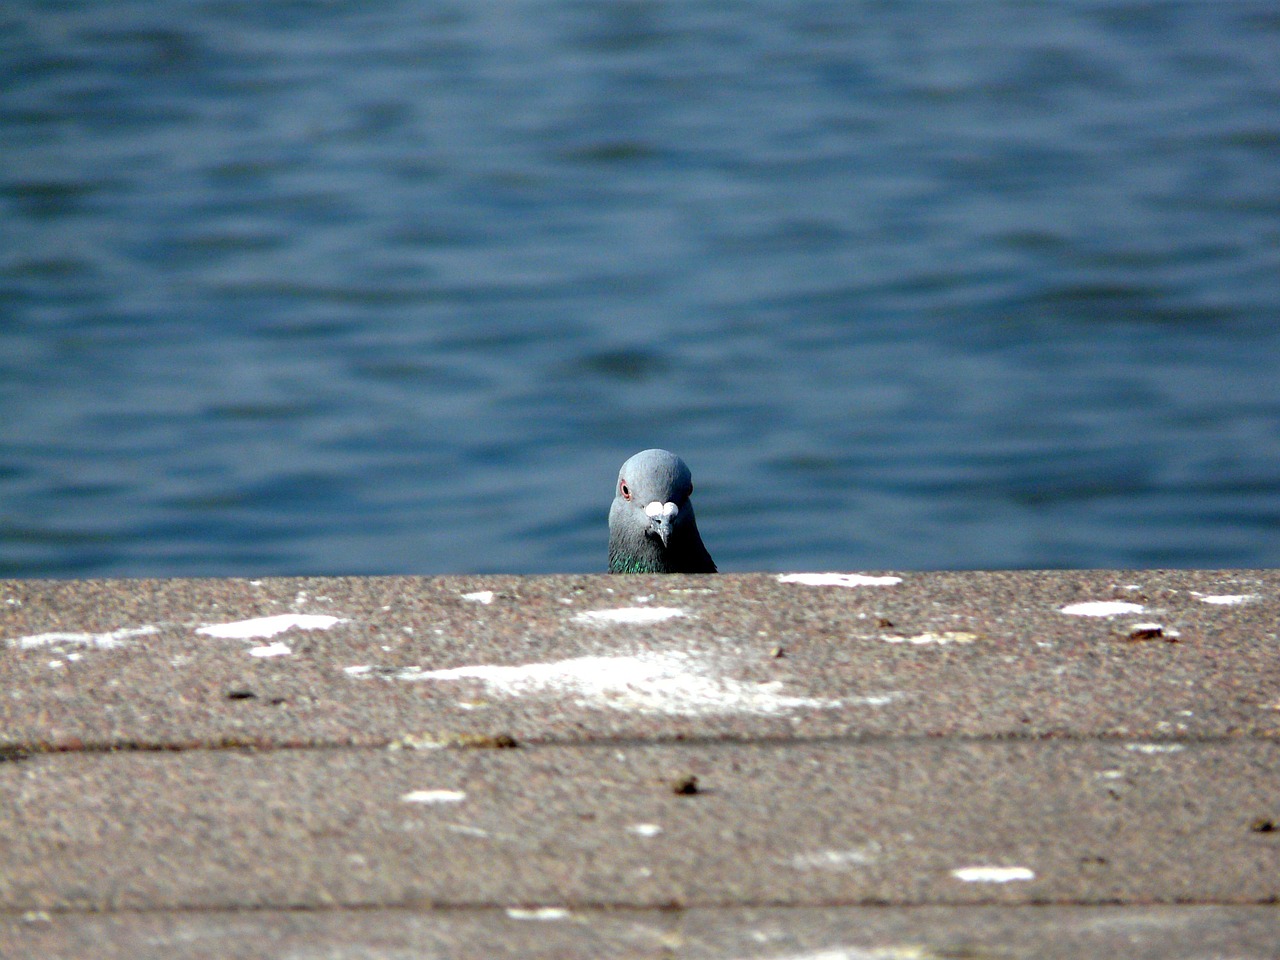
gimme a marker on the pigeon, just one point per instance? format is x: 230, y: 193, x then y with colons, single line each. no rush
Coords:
x: 651, y: 524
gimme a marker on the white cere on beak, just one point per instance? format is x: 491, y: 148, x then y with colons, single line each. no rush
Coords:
x: 656, y: 509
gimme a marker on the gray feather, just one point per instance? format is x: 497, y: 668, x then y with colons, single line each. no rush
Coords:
x: 643, y: 536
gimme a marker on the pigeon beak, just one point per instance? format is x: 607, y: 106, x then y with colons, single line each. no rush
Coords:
x: 660, y: 516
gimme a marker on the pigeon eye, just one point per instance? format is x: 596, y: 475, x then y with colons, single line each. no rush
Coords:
x: 624, y: 490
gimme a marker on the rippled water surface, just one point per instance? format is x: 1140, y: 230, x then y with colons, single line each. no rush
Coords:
x: 394, y: 286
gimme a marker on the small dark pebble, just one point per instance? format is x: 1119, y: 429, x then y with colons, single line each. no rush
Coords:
x: 1146, y: 633
x: 486, y: 741
x: 778, y: 652
x: 685, y: 786
x: 1263, y: 825
x: 883, y: 623
x: 241, y: 695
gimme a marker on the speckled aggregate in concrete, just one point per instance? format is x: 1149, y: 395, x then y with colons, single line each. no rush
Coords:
x: 774, y: 823
x: 804, y: 933
x: 876, y: 758
x: 938, y: 654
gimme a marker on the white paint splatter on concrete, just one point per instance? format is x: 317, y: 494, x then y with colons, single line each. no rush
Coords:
x: 271, y: 650
x: 942, y: 639
x: 908, y: 951
x: 838, y: 580
x: 630, y: 615
x: 673, y: 683
x: 434, y: 796
x: 837, y: 859
x: 1102, y: 608
x: 539, y: 913
x: 480, y: 596
x: 873, y: 700
x: 1152, y: 748
x: 993, y: 874
x: 1228, y: 599
x: 644, y: 829
x: 269, y: 626
x: 100, y: 641
x: 466, y: 830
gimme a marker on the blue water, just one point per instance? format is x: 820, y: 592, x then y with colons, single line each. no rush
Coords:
x: 385, y: 286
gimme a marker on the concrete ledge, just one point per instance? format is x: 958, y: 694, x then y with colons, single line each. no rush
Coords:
x: 170, y: 664
x: 809, y: 933
x: 883, y: 762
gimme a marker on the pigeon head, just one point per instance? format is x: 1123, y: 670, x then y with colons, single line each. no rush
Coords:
x: 652, y: 528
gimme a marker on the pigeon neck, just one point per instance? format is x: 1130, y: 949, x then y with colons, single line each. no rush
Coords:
x: 635, y: 563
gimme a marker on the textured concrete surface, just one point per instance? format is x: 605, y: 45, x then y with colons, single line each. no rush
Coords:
x: 776, y: 823
x: 806, y: 933
x: 891, y: 765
